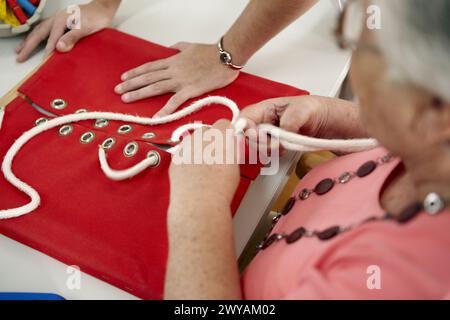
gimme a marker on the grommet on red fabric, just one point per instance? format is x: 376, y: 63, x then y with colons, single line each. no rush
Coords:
x: 59, y: 104
x: 81, y: 111
x: 156, y: 156
x: 131, y: 149
x: 65, y: 130
x: 40, y: 121
x: 101, y: 123
x: 148, y: 135
x: 125, y: 129
x: 87, y: 137
x: 108, y: 143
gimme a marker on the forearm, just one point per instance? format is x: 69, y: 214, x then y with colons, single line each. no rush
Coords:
x: 112, y: 5
x: 343, y: 119
x: 260, y: 22
x: 202, y: 261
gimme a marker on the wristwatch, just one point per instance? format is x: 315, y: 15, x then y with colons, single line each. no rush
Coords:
x: 226, y: 57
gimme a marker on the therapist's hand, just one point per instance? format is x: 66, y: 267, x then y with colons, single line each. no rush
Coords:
x: 194, y: 71
x: 94, y: 16
x: 313, y: 116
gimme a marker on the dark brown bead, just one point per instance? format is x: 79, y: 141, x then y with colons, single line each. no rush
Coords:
x: 409, y: 213
x: 324, y: 186
x: 269, y: 241
x: 366, y: 169
x: 328, y: 233
x: 296, y: 235
x: 288, y: 206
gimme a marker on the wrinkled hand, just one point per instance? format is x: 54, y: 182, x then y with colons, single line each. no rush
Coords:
x: 194, y: 71
x: 214, y: 183
x: 313, y: 116
x: 307, y: 115
x: 94, y: 17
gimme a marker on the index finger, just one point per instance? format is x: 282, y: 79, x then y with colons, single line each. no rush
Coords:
x: 39, y: 34
x: 145, y: 68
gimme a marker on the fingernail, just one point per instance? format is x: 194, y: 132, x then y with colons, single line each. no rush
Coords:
x: 124, y: 77
x: 126, y: 98
x: 61, y: 46
x: 118, y: 89
x: 156, y: 116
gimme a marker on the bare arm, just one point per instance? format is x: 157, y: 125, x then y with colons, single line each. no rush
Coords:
x: 202, y: 262
x: 260, y: 22
x: 197, y: 70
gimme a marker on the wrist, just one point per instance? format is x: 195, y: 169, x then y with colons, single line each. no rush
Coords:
x: 239, y: 52
x: 343, y: 119
x: 109, y: 5
x: 182, y: 210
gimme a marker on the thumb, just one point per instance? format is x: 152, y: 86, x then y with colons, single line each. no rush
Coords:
x: 67, y: 41
x: 292, y: 120
x: 181, y: 46
x: 174, y: 102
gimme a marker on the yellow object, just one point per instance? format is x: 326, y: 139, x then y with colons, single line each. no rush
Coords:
x: 7, y: 16
x: 307, y: 162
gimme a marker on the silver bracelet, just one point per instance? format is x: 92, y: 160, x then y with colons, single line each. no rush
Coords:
x: 225, y: 57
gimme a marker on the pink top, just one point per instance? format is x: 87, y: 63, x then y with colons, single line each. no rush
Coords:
x: 410, y: 261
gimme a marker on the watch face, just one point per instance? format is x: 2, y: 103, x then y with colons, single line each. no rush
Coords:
x: 225, y: 57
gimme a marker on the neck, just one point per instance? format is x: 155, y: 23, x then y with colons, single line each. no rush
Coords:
x: 429, y: 173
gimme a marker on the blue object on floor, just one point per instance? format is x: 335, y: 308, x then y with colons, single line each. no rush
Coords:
x: 29, y: 297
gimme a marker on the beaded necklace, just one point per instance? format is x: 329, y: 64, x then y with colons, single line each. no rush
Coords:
x: 432, y: 205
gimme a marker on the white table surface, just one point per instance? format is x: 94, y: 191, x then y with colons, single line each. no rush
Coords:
x: 304, y: 55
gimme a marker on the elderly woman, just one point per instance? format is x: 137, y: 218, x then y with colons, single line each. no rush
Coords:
x: 368, y: 225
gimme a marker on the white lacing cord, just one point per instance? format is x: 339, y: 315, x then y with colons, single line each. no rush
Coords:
x: 289, y: 140
x: 120, y: 175
x: 295, y: 142
x: 63, y: 120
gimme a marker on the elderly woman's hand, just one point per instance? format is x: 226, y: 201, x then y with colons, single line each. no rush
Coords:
x: 204, y: 181
x: 202, y: 262
x: 309, y: 115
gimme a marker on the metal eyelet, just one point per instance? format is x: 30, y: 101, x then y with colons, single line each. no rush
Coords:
x: 156, y: 155
x: 40, y: 121
x: 149, y: 135
x: 87, y: 137
x: 66, y: 130
x: 81, y: 111
x: 101, y: 123
x: 125, y: 129
x: 130, y: 149
x: 108, y: 143
x: 59, y: 104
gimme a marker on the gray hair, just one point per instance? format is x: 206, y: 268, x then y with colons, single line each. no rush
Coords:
x: 415, y: 37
